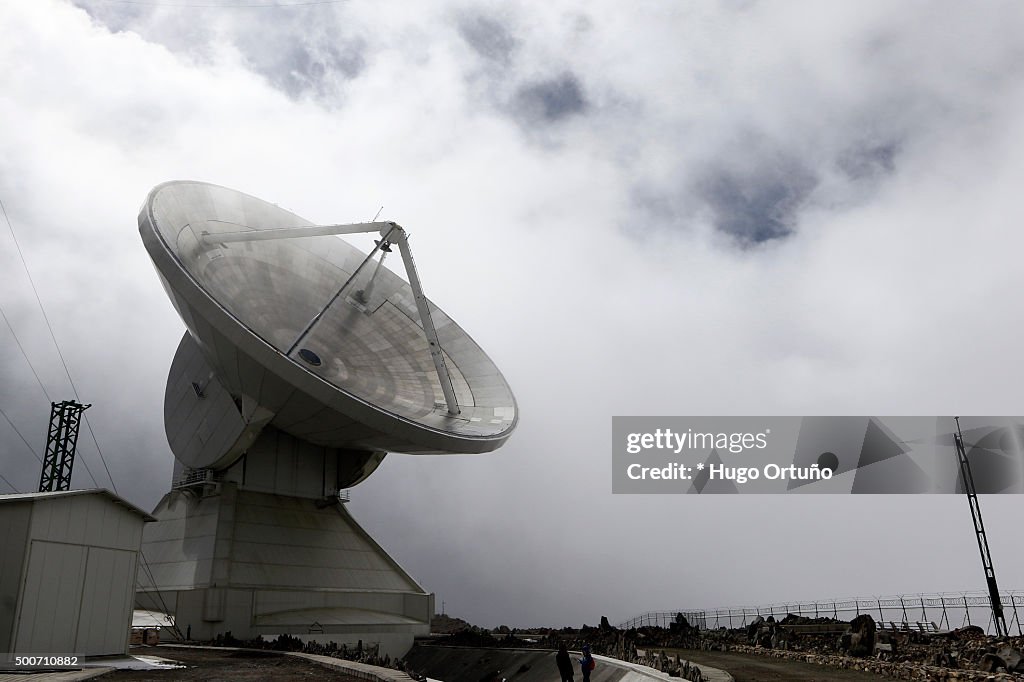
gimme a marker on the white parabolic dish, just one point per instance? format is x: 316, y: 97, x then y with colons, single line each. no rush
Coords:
x: 362, y: 378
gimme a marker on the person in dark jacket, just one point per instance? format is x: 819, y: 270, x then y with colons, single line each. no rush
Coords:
x: 586, y: 663
x: 564, y: 663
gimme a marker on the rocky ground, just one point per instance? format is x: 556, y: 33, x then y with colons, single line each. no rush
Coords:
x: 965, y: 654
x: 792, y: 649
x: 754, y: 668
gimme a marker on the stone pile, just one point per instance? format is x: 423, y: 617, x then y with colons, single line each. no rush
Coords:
x: 894, y: 670
x: 673, y: 665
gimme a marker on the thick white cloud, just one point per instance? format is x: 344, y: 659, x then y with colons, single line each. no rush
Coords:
x: 742, y: 208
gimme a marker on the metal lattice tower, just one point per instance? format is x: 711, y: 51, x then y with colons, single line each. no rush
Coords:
x: 979, y: 531
x: 65, y: 418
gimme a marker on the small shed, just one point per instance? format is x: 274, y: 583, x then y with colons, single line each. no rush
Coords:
x: 68, y: 572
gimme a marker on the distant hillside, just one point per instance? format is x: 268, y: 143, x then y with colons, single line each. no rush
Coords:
x: 442, y: 624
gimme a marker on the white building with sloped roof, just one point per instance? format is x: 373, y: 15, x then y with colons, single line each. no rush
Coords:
x: 67, y: 572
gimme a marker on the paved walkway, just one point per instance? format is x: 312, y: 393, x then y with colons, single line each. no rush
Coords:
x: 361, y: 670
x: 643, y: 673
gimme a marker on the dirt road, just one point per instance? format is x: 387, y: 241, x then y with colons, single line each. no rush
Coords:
x: 750, y: 668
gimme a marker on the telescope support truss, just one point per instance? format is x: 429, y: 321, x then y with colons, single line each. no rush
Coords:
x: 390, y: 233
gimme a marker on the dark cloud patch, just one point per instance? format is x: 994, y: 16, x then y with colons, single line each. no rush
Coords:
x: 304, y: 69
x: 757, y: 205
x: 185, y: 34
x: 114, y: 15
x: 869, y: 161
x: 549, y: 101
x: 307, y: 53
x: 488, y: 37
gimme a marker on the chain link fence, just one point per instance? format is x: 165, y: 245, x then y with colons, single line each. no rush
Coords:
x: 944, y: 611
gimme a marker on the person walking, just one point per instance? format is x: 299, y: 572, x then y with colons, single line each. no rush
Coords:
x: 587, y: 663
x: 564, y: 663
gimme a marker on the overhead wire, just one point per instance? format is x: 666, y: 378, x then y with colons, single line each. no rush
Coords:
x: 60, y: 354
x: 24, y: 354
x: 99, y: 450
x: 23, y: 439
x: 159, y: 595
x: 145, y: 563
x: 42, y: 387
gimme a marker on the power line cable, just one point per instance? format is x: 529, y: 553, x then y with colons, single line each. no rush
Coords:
x: 60, y: 354
x: 45, y: 393
x: 159, y: 595
x: 24, y: 354
x: 23, y: 439
x: 11, y: 485
x: 42, y: 387
x: 95, y: 442
x: 74, y: 389
x: 36, y: 454
x: 99, y: 450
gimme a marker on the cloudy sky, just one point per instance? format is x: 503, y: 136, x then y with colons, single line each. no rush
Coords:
x: 636, y: 208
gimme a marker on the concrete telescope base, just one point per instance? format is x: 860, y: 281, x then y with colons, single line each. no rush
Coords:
x: 221, y: 560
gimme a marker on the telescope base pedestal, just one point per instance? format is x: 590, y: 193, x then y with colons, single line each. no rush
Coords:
x: 224, y: 560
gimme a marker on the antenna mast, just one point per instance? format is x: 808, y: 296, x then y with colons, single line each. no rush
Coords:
x: 979, y: 531
x: 65, y: 418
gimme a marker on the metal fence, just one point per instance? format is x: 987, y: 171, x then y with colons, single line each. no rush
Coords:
x: 663, y: 619
x: 946, y: 611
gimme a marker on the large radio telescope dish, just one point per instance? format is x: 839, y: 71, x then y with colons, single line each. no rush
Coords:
x: 307, y: 334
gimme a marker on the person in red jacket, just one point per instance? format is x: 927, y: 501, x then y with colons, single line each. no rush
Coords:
x: 587, y: 663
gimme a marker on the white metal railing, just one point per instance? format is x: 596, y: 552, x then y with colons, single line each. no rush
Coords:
x: 194, y: 477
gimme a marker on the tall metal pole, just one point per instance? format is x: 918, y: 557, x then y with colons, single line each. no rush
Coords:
x: 979, y: 532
